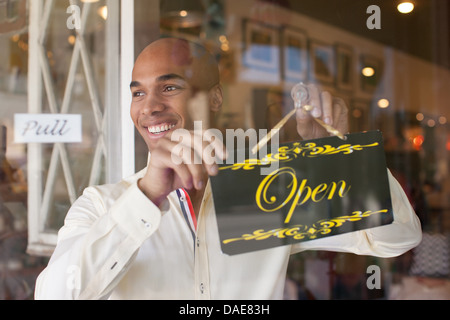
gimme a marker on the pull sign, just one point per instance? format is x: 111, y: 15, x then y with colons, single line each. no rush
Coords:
x: 47, y: 128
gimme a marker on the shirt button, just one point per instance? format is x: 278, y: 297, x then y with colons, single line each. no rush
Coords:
x: 202, y: 288
x: 146, y: 224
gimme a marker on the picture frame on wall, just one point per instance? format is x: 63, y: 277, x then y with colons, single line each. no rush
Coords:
x: 261, y: 52
x: 322, y: 62
x: 294, y: 44
x: 269, y: 106
x: 344, y: 67
x: 13, y: 17
x: 371, y: 69
x: 359, y: 115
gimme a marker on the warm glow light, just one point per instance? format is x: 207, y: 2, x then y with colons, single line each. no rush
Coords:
x: 225, y: 47
x: 405, y: 7
x: 442, y: 120
x: 448, y: 145
x: 183, y: 13
x: 71, y: 39
x: 420, y: 116
x: 431, y: 123
x: 418, y: 141
x: 383, y: 103
x: 103, y: 12
x: 357, y: 113
x: 368, y: 72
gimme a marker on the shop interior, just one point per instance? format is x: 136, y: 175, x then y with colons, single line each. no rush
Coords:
x: 391, y: 68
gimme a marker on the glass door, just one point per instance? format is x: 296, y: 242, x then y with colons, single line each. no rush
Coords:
x: 75, y: 67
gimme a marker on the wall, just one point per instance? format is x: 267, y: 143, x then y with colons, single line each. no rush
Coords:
x: 409, y: 83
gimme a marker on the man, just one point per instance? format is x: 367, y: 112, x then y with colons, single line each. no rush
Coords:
x: 154, y: 235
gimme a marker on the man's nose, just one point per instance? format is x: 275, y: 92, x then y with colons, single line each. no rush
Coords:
x: 153, y: 105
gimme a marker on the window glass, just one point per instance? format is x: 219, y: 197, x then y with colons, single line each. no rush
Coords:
x: 390, y: 68
x: 18, y: 270
x: 66, y: 169
x: 392, y: 71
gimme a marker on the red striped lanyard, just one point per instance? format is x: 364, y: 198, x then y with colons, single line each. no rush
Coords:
x: 187, y: 208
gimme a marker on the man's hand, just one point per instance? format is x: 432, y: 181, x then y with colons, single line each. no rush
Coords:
x: 329, y: 109
x: 182, y: 159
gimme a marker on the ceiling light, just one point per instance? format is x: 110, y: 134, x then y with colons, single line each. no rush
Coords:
x: 383, y: 103
x: 405, y: 7
x: 368, y: 71
x: 182, y: 14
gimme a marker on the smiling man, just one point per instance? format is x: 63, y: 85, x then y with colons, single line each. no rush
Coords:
x: 162, y: 89
x: 154, y: 235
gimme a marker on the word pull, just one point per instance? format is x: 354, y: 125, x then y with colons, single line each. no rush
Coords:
x: 47, y: 128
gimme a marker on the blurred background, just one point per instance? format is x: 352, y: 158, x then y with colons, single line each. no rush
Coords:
x: 390, y: 64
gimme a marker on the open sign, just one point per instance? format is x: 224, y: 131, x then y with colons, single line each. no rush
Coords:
x: 320, y: 188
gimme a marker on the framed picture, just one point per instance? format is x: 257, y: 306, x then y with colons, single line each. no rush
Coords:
x: 270, y: 105
x: 294, y: 45
x: 344, y: 67
x: 13, y: 16
x: 371, y: 69
x: 322, y: 62
x: 359, y: 115
x: 261, y: 55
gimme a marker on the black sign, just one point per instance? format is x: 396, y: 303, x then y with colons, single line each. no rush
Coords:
x: 303, y: 191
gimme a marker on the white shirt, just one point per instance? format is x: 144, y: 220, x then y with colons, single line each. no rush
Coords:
x: 116, y: 244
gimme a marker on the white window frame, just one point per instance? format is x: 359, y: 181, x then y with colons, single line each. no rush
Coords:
x: 117, y: 146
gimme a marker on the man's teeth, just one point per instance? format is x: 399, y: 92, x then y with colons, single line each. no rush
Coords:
x: 159, y: 129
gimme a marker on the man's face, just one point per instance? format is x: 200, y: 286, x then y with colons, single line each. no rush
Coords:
x: 161, y: 89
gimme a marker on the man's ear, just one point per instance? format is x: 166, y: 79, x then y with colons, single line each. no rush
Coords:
x: 216, y: 98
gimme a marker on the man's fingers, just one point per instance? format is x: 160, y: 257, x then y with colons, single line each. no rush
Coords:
x: 187, y: 158
x: 327, y: 108
x: 332, y: 111
x: 315, y: 101
x: 340, y: 115
x: 197, y: 151
x: 163, y: 159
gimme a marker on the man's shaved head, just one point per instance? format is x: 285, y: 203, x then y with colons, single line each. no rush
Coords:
x: 193, y: 61
x: 174, y: 83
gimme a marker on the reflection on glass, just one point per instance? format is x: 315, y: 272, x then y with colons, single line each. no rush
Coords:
x: 70, y: 168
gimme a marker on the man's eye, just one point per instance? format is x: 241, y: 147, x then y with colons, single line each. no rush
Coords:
x: 138, y: 94
x: 170, y: 88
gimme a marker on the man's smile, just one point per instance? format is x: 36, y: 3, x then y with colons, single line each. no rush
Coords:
x: 161, y: 128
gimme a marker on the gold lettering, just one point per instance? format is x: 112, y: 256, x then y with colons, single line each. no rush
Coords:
x: 261, y: 192
x: 300, y: 232
x: 343, y: 190
x: 318, y: 190
x: 297, y: 199
x: 304, y: 193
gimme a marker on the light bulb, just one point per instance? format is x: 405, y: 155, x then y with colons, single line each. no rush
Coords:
x: 405, y: 7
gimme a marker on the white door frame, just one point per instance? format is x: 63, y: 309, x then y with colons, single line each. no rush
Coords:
x: 115, y: 145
